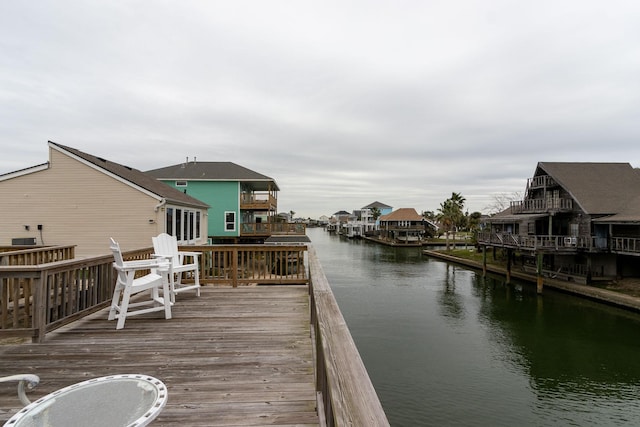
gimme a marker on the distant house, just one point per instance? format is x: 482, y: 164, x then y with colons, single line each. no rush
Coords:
x: 343, y: 216
x: 243, y: 203
x: 582, y: 219
x: 403, y: 225
x: 80, y: 199
x: 370, y: 224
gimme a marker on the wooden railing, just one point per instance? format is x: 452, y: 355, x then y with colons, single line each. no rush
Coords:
x: 346, y: 396
x: 625, y: 244
x: 258, y: 201
x: 247, y: 264
x: 541, y: 181
x: 269, y: 229
x: 36, y: 299
x: 536, y: 242
x: 591, y: 243
x: 35, y: 255
x: 541, y: 205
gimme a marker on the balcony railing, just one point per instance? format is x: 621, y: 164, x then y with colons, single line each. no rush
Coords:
x: 625, y: 245
x: 257, y: 201
x: 541, y: 205
x: 590, y: 243
x: 408, y: 227
x: 535, y: 242
x: 542, y: 181
x: 269, y: 229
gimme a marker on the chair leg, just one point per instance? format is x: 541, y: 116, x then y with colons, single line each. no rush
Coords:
x: 197, y: 279
x: 172, y: 288
x: 124, y: 306
x: 114, y: 303
x: 167, y: 296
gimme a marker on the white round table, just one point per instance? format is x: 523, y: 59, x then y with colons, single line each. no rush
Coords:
x: 115, y: 400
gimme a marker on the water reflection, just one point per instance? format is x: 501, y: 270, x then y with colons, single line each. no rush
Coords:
x: 566, y: 342
x: 445, y: 346
x: 451, y: 304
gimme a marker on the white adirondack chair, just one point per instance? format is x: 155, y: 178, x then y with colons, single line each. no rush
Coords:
x: 127, y: 285
x: 166, y: 246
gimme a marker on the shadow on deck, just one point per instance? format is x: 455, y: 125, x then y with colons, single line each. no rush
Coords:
x: 235, y: 356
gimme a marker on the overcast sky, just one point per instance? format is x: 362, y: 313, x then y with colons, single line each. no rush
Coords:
x: 343, y: 103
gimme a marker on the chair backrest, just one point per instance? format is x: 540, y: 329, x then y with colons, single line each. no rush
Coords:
x: 117, y: 254
x: 119, y: 261
x: 166, y: 245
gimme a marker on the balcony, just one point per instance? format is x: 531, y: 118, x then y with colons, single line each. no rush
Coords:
x: 530, y: 206
x: 258, y: 201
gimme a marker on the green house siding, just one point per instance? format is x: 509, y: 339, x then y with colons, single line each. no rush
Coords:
x: 221, y: 196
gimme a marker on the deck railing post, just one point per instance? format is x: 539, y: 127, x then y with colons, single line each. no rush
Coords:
x: 234, y: 267
x: 39, y: 285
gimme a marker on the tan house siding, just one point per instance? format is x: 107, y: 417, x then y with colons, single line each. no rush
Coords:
x: 79, y: 204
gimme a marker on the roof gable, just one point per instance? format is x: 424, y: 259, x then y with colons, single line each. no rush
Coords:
x: 132, y: 176
x: 598, y: 188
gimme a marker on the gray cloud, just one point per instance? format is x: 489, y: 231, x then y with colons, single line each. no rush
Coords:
x: 341, y: 103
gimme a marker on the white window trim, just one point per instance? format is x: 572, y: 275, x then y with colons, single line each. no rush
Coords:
x: 235, y: 219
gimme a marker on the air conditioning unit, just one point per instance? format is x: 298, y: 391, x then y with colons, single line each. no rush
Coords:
x: 24, y: 241
x: 570, y: 241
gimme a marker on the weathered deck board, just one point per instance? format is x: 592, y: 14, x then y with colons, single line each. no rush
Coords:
x: 234, y: 357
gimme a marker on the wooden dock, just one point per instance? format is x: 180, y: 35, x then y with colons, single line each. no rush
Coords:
x: 234, y: 357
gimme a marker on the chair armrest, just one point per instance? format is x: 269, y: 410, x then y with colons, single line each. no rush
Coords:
x: 190, y: 253
x: 141, y: 265
x: 167, y: 257
x: 30, y: 380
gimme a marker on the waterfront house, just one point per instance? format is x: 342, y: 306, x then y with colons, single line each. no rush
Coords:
x: 80, y: 199
x: 366, y: 213
x: 323, y: 220
x: 342, y: 217
x: 403, y: 225
x: 243, y: 203
x: 580, y: 221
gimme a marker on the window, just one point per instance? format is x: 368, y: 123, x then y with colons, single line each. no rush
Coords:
x: 185, y: 224
x: 170, y: 221
x: 230, y: 221
x: 181, y: 183
x: 178, y: 232
x: 191, y: 223
x: 575, y: 229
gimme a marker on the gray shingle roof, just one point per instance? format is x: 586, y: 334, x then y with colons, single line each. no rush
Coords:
x: 215, y: 171
x: 402, y: 214
x: 137, y: 178
x: 598, y: 188
x: 378, y: 205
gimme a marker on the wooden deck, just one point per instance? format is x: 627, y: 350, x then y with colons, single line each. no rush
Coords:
x: 233, y: 357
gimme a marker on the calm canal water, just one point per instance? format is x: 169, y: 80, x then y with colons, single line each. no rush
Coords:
x: 445, y: 347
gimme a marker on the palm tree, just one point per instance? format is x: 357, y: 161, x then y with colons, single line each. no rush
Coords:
x: 451, y: 216
x: 446, y: 218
